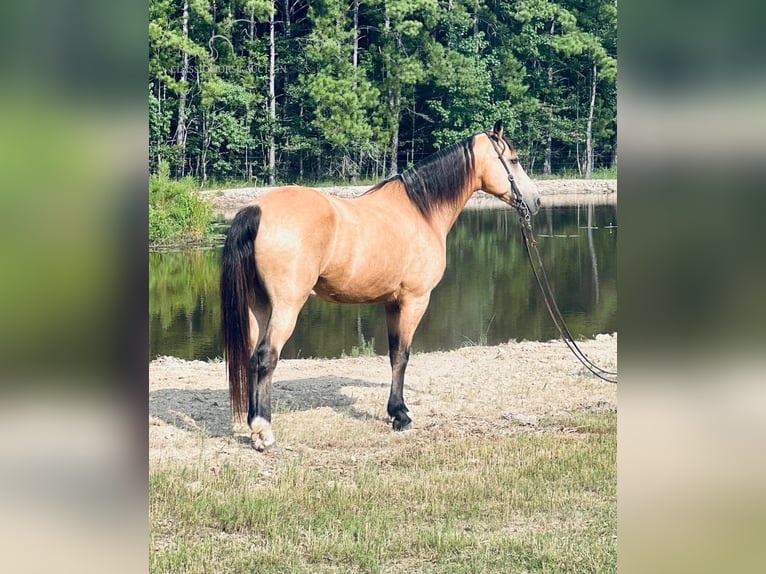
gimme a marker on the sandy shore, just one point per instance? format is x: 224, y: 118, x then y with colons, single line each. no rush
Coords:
x: 482, y: 391
x: 227, y: 202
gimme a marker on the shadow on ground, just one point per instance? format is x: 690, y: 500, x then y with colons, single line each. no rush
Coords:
x: 208, y: 410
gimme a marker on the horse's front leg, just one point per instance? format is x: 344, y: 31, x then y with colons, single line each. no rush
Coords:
x: 402, y: 318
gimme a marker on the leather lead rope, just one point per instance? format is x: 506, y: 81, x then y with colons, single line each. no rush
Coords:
x: 550, y: 302
x: 555, y: 313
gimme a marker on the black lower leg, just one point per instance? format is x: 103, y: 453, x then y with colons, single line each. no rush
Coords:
x: 262, y: 365
x: 397, y: 410
x: 252, y: 388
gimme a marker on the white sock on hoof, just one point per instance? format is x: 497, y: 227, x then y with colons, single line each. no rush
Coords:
x: 262, y: 435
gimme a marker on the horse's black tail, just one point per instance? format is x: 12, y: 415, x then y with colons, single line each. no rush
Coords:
x: 238, y: 280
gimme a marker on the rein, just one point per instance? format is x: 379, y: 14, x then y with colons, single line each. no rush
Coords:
x: 530, y: 243
x: 555, y: 313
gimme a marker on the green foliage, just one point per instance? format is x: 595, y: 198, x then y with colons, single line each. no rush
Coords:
x: 176, y: 214
x: 464, y: 105
x: 572, y: 173
x: 364, y: 89
x: 365, y: 349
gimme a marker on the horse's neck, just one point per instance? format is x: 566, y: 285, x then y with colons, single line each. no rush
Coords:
x: 444, y: 217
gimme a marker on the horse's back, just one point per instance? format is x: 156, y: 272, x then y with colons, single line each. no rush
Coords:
x: 292, y: 198
x: 296, y: 210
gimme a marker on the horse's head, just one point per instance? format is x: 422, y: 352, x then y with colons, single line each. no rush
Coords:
x: 501, y: 173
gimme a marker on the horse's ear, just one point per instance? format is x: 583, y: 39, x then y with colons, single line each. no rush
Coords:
x: 498, y: 129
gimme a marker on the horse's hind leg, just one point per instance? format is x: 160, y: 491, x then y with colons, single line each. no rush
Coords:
x: 402, y: 319
x: 262, y: 364
x: 259, y: 319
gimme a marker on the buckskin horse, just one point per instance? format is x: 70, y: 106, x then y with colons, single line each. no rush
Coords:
x: 387, y: 247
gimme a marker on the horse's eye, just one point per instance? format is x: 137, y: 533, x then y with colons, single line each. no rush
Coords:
x: 515, y: 160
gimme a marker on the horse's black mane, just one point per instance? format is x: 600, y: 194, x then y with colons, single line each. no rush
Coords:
x: 439, y: 179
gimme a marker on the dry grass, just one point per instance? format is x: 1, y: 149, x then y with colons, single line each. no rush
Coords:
x: 511, y: 467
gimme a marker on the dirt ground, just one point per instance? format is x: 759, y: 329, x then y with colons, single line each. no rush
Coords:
x: 331, y: 413
x: 226, y: 202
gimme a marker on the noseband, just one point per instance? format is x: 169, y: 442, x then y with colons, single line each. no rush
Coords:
x: 518, y: 200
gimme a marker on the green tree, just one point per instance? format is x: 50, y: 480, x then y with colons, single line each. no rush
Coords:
x: 398, y: 58
x: 598, y: 20
x: 340, y: 96
x: 262, y: 90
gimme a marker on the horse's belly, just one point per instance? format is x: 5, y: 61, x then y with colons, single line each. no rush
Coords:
x: 351, y: 292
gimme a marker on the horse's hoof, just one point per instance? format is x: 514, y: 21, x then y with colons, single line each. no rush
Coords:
x: 272, y: 447
x: 402, y: 423
x: 263, y: 438
x: 262, y: 446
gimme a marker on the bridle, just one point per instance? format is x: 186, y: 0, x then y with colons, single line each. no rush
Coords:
x: 518, y: 202
x: 530, y: 244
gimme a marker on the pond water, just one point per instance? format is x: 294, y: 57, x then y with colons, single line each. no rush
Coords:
x: 488, y: 294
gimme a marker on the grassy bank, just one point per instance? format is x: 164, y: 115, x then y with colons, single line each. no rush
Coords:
x: 541, y: 500
x: 176, y: 214
x: 598, y: 173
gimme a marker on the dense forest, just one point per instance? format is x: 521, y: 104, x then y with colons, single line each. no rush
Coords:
x: 266, y: 91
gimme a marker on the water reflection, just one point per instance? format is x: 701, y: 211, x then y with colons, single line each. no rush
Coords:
x: 487, y: 296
